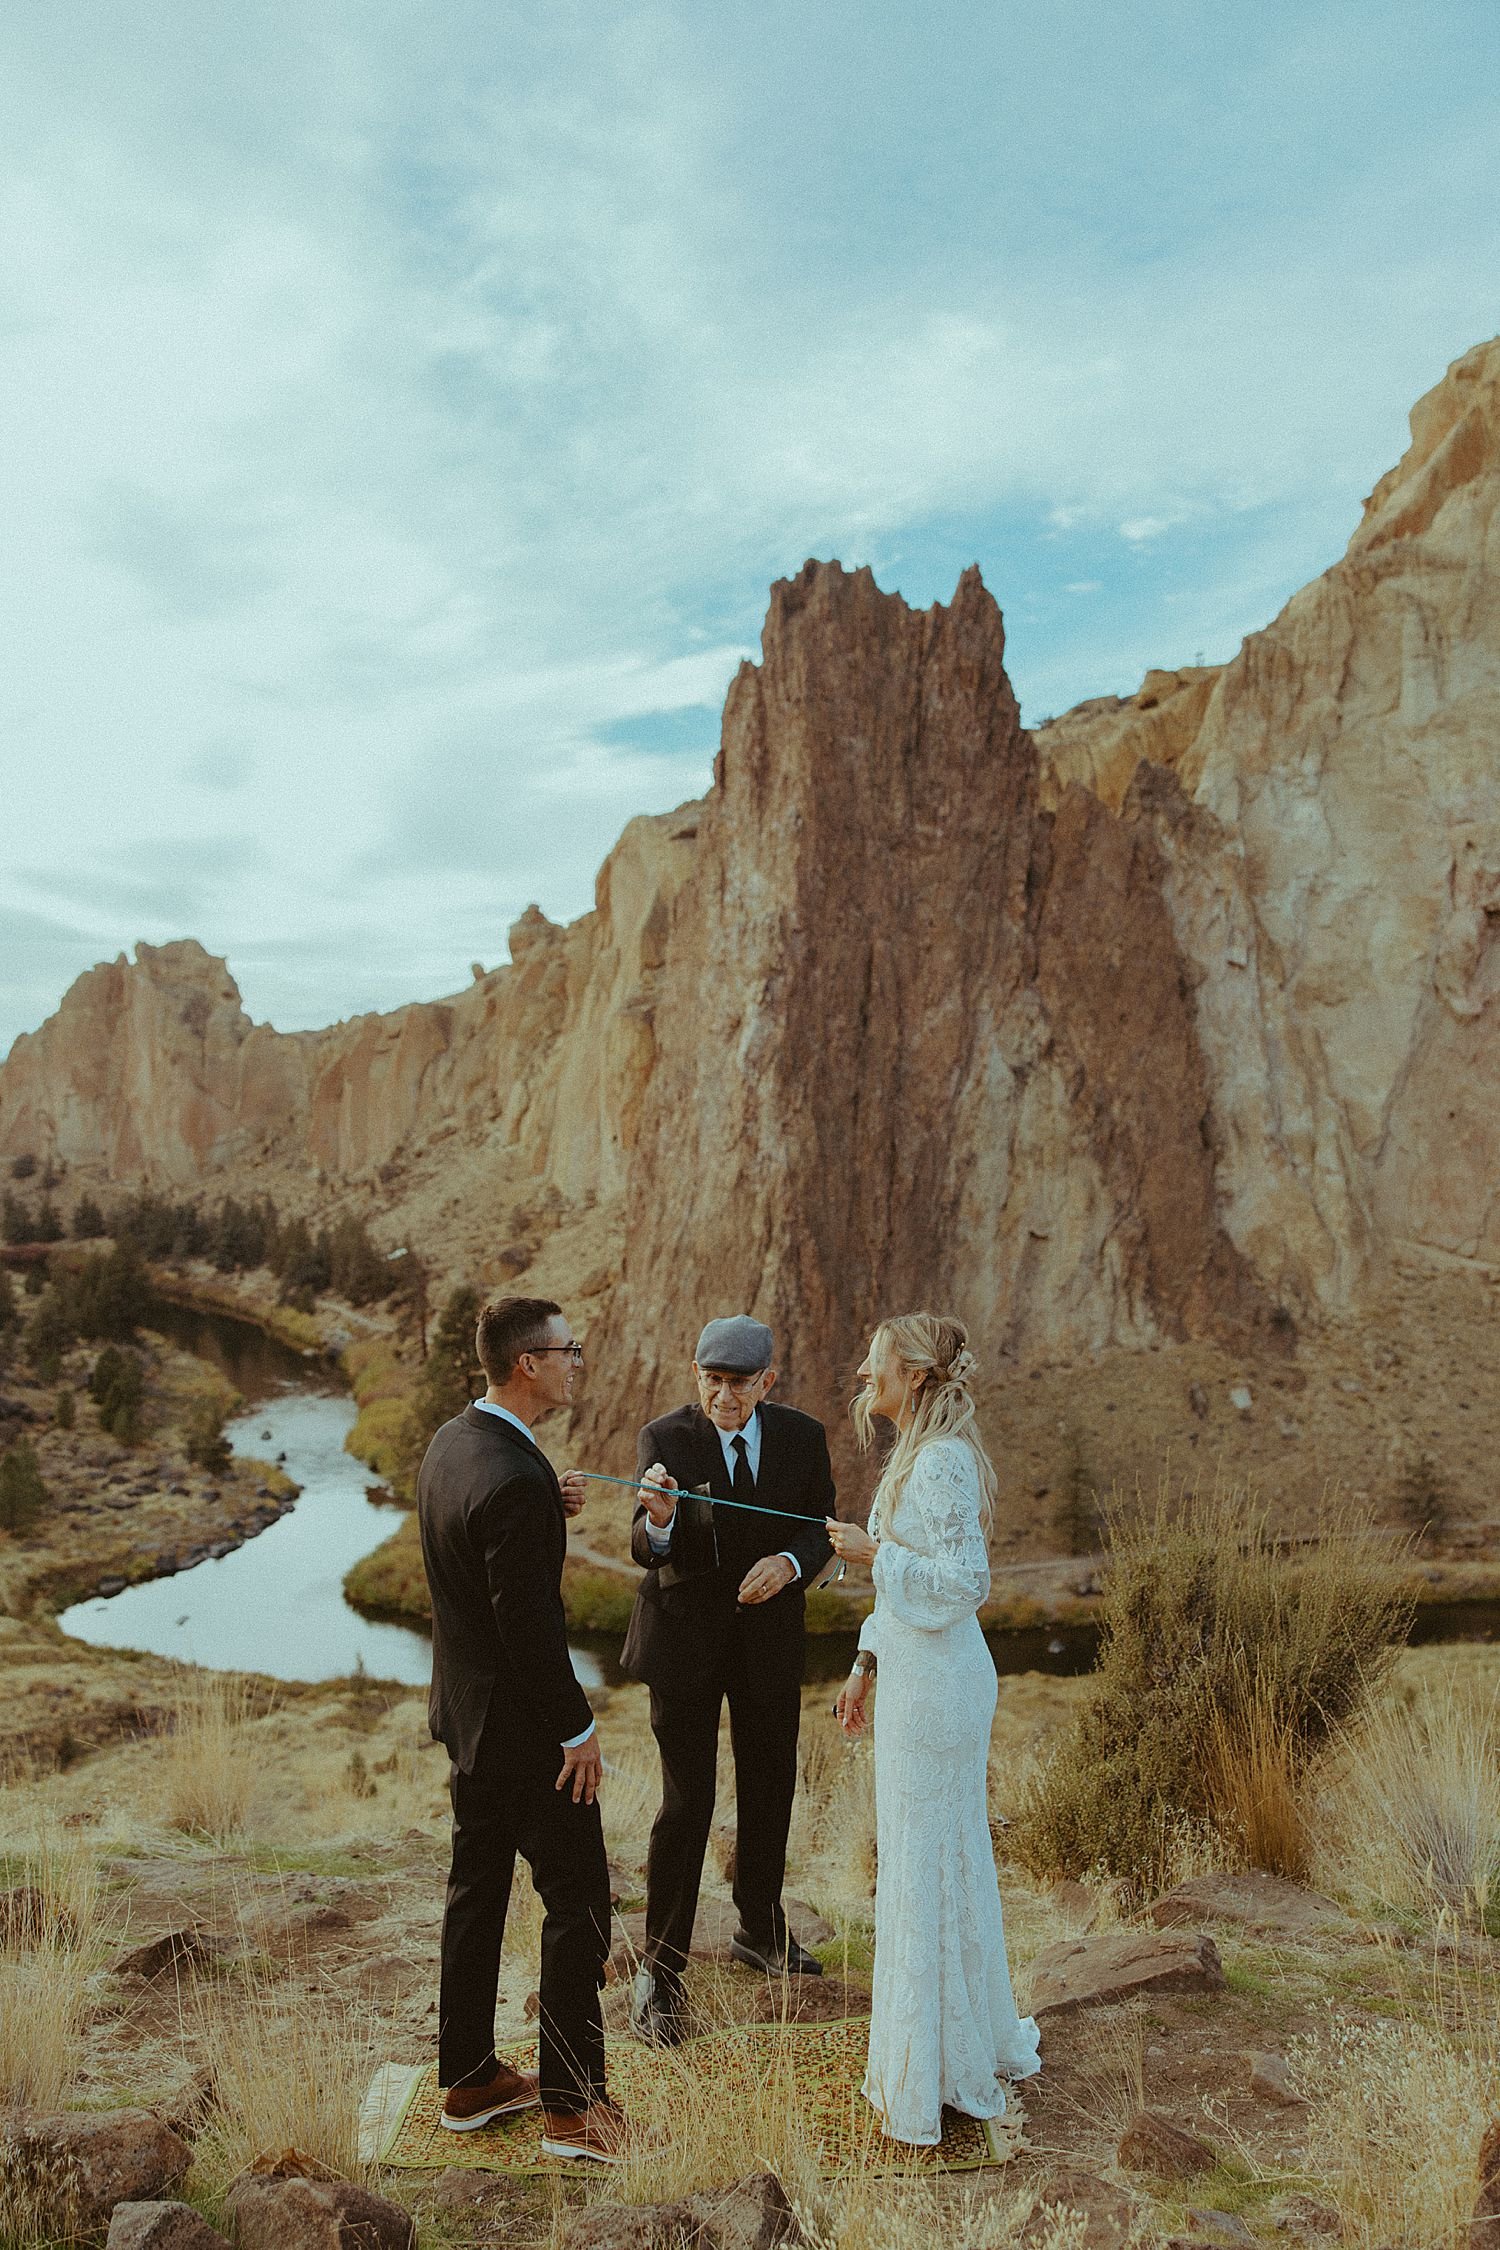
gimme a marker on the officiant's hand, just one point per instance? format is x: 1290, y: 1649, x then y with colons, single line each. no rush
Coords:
x: 850, y: 1542
x: 850, y: 1708
x: 574, y: 1494
x: 765, y: 1578
x: 658, y: 1495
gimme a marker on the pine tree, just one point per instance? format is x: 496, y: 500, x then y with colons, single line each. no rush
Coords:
x: 122, y: 1400
x: 49, y: 1333
x: 88, y: 1220
x: 49, y: 1226
x: 15, y: 1219
x: 450, y: 1377
x: 23, y: 1495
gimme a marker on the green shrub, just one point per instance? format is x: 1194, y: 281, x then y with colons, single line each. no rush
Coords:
x: 596, y: 1601
x: 64, y: 1413
x: 23, y: 1495
x: 204, y: 1441
x: 1214, y: 1645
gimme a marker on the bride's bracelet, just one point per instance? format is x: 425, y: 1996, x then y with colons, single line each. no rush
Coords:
x: 864, y: 1663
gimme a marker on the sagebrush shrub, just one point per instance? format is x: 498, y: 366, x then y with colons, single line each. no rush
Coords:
x: 1224, y: 1666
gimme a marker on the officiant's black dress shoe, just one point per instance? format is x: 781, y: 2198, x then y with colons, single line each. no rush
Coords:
x: 657, y: 2014
x: 783, y: 1957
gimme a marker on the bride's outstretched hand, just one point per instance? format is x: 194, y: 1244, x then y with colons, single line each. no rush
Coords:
x: 849, y: 1541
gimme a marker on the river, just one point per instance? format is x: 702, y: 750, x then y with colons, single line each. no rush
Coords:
x: 276, y: 1604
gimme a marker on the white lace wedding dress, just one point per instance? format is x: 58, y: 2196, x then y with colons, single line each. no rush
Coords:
x: 944, y: 2027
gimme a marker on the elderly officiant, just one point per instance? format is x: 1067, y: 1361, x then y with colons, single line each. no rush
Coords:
x: 726, y: 1483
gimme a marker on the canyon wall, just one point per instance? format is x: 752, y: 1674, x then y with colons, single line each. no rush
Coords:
x: 1169, y: 1022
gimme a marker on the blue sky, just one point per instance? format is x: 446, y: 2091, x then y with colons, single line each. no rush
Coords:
x: 410, y: 406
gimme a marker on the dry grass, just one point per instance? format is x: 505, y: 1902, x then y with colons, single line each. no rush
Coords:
x: 287, y: 2076
x: 38, y: 2208
x: 1398, y: 2111
x: 210, y: 1785
x: 48, y: 1954
x: 1256, y: 1760
x: 1410, y: 1811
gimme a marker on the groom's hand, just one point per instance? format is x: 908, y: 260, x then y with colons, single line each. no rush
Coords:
x: 574, y: 1491
x: 583, y: 1770
x: 766, y: 1578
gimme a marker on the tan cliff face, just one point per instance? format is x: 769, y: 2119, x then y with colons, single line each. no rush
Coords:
x: 1172, y: 1023
x: 153, y: 1070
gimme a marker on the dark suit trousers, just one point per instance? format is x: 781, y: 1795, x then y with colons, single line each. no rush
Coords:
x: 499, y: 1810
x: 765, y: 1709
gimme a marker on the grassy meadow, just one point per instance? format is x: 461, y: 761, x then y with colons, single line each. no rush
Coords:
x: 1251, y: 1709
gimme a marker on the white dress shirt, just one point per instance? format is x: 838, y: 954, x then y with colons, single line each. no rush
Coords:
x: 660, y: 1536
x: 504, y: 1414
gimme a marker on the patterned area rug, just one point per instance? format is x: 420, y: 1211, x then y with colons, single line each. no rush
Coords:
x: 816, y: 2066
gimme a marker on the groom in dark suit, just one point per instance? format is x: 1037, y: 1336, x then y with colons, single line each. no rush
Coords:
x: 720, y: 1614
x: 517, y: 1725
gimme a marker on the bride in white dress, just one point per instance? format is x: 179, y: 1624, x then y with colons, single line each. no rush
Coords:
x: 943, y: 2023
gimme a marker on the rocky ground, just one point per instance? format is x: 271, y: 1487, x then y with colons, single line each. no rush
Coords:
x: 1248, y: 2019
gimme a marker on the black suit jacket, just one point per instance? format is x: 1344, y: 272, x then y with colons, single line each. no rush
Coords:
x: 686, y: 1608
x: 494, y: 1535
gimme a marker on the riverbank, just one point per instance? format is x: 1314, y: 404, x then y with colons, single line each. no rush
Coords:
x: 112, y: 1512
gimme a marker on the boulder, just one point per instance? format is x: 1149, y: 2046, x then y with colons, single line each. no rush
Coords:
x: 1271, y: 2080
x: 1220, y: 2230
x: 1251, y: 1900
x: 1304, y: 2217
x: 1151, y: 2143
x: 271, y: 2213
x: 186, y: 2110
x: 626, y: 2226
x: 1089, y: 1972
x: 180, y: 1952
x: 93, y: 2159
x: 1107, y: 2214
x: 749, y: 2214
x: 161, y: 2226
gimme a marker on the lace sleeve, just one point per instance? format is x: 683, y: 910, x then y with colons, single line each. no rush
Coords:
x: 945, y: 1580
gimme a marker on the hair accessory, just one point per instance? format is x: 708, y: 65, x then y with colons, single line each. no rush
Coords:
x: 962, y: 1365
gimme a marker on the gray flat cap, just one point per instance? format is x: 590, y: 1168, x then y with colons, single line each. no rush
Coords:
x: 737, y: 1346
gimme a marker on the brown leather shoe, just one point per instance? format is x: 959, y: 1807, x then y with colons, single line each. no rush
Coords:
x: 466, y: 2108
x: 599, y: 2134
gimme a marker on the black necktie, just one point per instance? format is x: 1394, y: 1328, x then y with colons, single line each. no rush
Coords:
x: 744, y: 1482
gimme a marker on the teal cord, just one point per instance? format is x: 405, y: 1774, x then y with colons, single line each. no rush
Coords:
x: 750, y: 1508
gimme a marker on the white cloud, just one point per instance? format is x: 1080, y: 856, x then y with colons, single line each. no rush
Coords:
x: 414, y: 402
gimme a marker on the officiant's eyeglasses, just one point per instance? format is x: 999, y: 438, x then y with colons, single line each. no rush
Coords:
x: 575, y: 1351
x: 739, y: 1386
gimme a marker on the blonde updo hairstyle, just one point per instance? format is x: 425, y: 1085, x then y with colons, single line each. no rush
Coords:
x: 936, y: 1348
